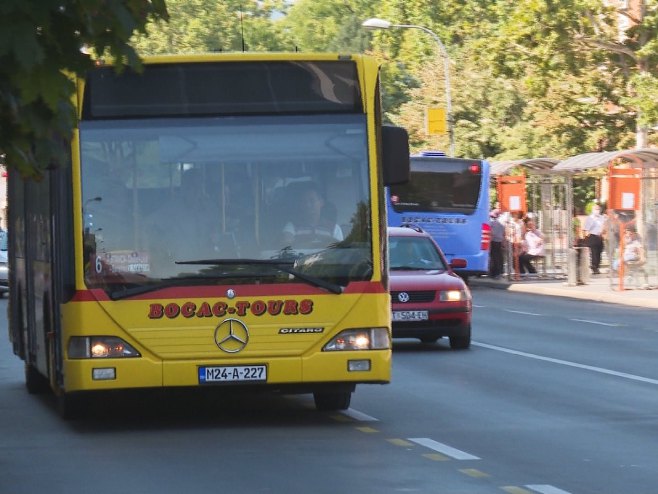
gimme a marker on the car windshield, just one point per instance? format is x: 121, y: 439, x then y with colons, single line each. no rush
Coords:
x: 414, y: 253
x: 159, y: 195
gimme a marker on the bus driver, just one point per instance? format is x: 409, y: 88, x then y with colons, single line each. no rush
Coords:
x: 313, y: 225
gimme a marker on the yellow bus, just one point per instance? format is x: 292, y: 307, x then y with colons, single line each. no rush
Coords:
x: 221, y: 223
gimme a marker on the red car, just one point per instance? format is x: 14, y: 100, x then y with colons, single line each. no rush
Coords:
x: 429, y: 300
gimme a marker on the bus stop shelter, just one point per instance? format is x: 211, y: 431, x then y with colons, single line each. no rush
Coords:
x: 630, y: 191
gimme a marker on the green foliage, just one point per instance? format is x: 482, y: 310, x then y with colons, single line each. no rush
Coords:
x: 197, y: 26
x: 530, y: 78
x: 40, y: 48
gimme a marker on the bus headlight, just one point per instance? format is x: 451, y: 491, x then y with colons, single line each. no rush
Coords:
x: 453, y: 296
x: 100, y: 347
x: 359, y: 339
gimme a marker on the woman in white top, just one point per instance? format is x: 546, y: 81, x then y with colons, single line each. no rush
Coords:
x: 533, y: 247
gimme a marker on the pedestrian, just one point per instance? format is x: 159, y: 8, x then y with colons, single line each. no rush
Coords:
x: 533, y: 248
x: 497, y: 245
x: 594, y: 230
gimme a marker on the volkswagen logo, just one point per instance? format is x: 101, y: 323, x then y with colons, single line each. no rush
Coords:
x: 403, y: 297
x: 231, y: 336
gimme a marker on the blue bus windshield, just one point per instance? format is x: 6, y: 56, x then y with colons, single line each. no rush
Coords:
x: 449, y: 199
x: 448, y: 185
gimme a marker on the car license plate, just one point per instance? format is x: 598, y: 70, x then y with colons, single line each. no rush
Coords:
x: 410, y: 315
x: 232, y: 373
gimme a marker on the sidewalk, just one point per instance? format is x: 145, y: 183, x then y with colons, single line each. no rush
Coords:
x: 600, y: 288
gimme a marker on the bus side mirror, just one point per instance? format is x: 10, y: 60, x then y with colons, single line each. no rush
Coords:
x: 395, y: 155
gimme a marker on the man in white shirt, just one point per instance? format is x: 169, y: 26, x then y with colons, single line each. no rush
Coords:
x: 593, y: 229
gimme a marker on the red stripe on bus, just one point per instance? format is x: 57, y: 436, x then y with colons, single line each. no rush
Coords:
x: 187, y: 292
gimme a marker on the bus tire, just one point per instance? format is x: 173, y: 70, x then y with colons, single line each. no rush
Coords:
x: 327, y: 401
x: 35, y: 382
x: 461, y: 341
x: 71, y: 406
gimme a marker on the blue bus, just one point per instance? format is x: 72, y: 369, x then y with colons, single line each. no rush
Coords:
x: 448, y: 198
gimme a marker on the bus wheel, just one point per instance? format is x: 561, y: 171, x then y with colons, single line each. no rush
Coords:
x: 334, y: 400
x: 34, y: 381
x: 71, y: 406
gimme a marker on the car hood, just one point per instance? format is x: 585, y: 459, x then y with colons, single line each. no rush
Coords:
x: 425, y: 280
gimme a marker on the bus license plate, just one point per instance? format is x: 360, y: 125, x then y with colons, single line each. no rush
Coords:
x: 232, y: 373
x: 410, y: 315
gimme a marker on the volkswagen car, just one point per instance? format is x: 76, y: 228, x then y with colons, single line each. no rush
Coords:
x: 429, y: 301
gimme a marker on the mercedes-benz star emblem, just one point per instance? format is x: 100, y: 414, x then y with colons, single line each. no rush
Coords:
x: 403, y: 297
x: 231, y: 336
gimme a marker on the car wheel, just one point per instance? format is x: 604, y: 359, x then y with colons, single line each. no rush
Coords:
x: 461, y: 341
x: 331, y: 401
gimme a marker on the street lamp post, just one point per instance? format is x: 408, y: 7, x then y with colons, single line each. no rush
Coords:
x: 375, y: 23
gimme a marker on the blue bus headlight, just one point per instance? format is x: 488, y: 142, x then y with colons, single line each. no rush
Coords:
x: 100, y: 347
x: 359, y: 339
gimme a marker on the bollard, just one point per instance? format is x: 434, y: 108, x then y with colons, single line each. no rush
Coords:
x: 583, y: 268
x: 578, y: 266
x: 573, y: 267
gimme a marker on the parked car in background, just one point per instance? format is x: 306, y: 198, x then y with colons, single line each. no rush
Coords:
x: 429, y: 301
x: 4, y: 267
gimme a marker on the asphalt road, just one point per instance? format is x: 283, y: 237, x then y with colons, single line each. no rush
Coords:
x: 555, y: 396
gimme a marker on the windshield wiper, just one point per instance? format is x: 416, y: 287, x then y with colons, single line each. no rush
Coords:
x: 285, y: 265
x: 163, y: 283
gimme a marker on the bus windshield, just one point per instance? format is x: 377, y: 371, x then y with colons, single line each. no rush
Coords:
x: 439, y: 186
x: 159, y: 195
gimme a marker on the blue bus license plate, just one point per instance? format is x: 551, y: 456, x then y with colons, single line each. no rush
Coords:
x: 232, y: 373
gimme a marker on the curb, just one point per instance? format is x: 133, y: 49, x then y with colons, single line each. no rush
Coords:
x: 647, y: 299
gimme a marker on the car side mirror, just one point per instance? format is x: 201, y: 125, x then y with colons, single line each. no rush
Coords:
x: 458, y: 263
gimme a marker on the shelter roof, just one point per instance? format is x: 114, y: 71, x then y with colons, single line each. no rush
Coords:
x: 643, y: 158
x: 535, y: 164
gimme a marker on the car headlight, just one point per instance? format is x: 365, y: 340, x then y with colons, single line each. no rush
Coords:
x: 100, y: 347
x: 359, y: 339
x: 453, y: 296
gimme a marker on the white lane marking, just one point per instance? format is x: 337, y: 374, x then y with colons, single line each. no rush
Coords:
x: 600, y: 370
x: 523, y: 312
x: 480, y: 306
x: 589, y: 321
x: 360, y: 416
x: 442, y: 448
x: 546, y: 489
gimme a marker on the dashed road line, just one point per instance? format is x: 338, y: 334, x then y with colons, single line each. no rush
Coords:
x: 474, y: 472
x: 436, y: 457
x: 367, y: 430
x: 600, y: 370
x: 546, y: 489
x: 525, y: 313
x: 512, y: 489
x: 443, y: 448
x: 400, y: 442
x: 589, y: 321
x: 360, y: 416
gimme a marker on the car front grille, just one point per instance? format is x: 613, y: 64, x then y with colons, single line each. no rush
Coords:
x: 420, y: 296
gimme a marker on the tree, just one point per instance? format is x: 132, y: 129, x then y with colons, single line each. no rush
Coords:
x: 41, y: 47
x: 212, y: 26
